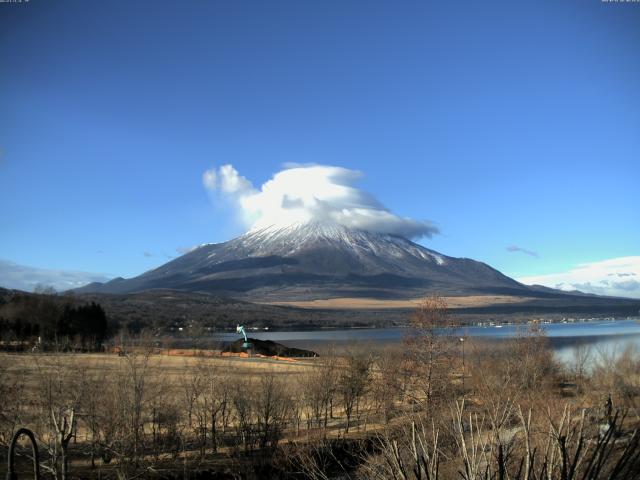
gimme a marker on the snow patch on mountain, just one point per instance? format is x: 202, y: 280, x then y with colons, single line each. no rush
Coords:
x: 313, y: 259
x: 291, y: 239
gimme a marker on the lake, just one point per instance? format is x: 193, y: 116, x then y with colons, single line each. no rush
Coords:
x: 610, y: 336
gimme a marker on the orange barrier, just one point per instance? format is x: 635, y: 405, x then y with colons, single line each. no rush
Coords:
x: 232, y: 354
x: 186, y: 352
x: 256, y: 355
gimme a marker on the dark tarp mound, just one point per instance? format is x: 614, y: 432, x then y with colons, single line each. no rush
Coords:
x: 269, y: 348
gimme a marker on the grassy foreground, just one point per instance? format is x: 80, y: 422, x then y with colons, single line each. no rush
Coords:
x: 433, y: 407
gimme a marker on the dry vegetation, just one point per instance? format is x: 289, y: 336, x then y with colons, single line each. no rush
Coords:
x: 422, y: 410
x: 375, y: 303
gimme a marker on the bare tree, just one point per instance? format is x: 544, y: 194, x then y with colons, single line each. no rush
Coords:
x: 430, y: 349
x: 407, y: 455
x: 12, y: 411
x: 352, y: 383
x: 62, y: 387
x: 272, y: 407
x: 297, y: 404
x: 243, y: 412
x: 387, y: 385
x: 534, y: 359
x: 582, y: 356
x: 124, y: 433
x: 320, y: 387
x: 91, y: 410
x: 217, y: 389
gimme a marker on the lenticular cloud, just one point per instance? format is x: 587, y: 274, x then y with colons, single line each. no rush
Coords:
x: 317, y: 193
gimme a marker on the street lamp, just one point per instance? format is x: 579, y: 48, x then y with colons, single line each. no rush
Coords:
x: 462, y: 344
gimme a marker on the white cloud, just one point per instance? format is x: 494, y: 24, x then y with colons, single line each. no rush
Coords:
x: 310, y: 193
x: 21, y: 277
x: 209, y: 178
x: 618, y: 277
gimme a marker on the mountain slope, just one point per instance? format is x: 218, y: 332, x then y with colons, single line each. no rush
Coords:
x: 316, y: 260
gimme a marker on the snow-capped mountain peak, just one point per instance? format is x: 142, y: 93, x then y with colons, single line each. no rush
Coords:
x: 296, y: 237
x: 317, y: 260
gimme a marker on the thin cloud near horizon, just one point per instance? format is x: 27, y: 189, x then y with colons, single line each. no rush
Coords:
x: 27, y: 278
x: 617, y: 277
x: 515, y: 248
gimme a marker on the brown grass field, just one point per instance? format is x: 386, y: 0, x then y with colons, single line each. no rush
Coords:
x: 359, y: 414
x: 409, y: 303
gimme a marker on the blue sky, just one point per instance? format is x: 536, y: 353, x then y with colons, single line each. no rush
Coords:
x: 506, y: 124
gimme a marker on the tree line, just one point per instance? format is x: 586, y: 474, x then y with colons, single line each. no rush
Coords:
x: 48, y: 321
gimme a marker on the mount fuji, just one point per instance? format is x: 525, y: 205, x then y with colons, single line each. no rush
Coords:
x: 318, y: 260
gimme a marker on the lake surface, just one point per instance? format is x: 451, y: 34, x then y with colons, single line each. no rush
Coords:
x: 604, y: 328
x: 603, y: 336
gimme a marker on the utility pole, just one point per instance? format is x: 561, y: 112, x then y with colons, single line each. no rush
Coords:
x: 462, y: 344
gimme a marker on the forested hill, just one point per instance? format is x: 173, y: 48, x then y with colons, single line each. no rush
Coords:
x: 46, y: 319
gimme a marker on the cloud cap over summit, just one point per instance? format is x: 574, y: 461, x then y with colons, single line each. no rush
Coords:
x: 315, y: 193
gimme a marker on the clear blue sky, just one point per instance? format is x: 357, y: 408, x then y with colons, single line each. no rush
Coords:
x: 505, y: 123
